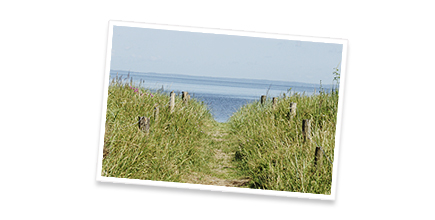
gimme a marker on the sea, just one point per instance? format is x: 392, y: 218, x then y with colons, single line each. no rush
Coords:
x: 223, y: 96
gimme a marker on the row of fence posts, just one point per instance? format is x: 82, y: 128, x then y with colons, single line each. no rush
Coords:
x: 144, y: 122
x: 306, y: 129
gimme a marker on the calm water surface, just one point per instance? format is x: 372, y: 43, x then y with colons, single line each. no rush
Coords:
x: 222, y: 95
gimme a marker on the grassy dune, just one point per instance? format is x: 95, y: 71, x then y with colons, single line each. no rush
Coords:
x: 260, y: 147
x: 171, y: 149
x: 271, y: 149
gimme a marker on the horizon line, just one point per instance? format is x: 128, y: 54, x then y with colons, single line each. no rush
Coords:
x: 222, y: 77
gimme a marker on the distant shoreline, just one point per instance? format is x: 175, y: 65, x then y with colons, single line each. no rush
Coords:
x: 266, y: 81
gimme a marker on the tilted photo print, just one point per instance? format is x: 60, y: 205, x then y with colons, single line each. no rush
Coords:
x: 221, y: 110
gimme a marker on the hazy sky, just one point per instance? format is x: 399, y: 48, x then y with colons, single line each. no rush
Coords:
x: 200, y: 54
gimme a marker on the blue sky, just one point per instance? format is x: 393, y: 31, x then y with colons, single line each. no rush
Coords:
x: 216, y: 55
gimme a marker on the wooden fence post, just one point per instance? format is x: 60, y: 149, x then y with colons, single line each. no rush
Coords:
x: 263, y: 99
x: 156, y: 113
x: 172, y: 101
x: 185, y: 97
x: 144, y: 124
x: 274, y: 101
x: 318, y: 162
x: 293, y: 109
x: 306, y: 129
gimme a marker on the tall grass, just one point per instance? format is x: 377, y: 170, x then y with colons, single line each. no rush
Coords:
x: 266, y: 144
x: 271, y: 150
x: 170, y: 150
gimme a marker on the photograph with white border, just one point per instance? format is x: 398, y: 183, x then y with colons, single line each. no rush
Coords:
x: 222, y: 110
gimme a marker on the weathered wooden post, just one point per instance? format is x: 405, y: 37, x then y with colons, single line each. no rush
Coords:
x: 274, y: 101
x: 293, y: 109
x: 306, y: 129
x: 144, y: 124
x: 172, y: 101
x: 185, y: 97
x: 318, y: 162
x: 263, y: 99
x: 156, y: 113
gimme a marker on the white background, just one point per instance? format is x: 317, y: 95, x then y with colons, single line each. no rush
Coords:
x: 52, y: 59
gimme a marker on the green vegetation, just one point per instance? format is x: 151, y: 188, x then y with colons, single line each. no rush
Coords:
x: 271, y: 149
x: 260, y: 147
x: 170, y: 150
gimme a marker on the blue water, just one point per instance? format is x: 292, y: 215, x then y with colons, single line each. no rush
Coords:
x: 222, y: 95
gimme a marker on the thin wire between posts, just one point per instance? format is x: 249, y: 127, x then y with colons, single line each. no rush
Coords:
x: 322, y: 151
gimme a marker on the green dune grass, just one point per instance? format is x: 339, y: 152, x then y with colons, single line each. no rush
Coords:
x: 271, y: 149
x: 170, y: 150
x: 259, y: 147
